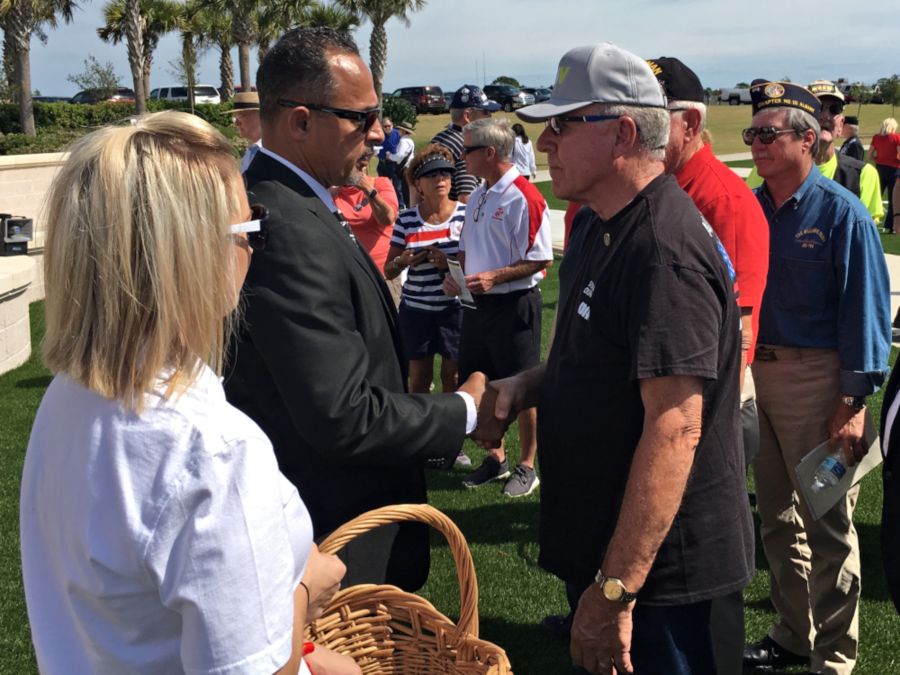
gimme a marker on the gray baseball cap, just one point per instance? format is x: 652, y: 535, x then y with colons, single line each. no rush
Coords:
x: 601, y: 73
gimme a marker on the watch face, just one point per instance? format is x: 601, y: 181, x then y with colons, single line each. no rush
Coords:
x: 613, y: 590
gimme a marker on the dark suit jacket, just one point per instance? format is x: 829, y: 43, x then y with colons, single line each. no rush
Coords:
x: 318, y: 365
x: 890, y: 513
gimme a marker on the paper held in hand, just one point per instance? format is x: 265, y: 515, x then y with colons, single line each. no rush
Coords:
x: 820, y: 502
x: 465, y: 295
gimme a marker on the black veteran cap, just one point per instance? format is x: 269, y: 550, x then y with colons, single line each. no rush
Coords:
x: 765, y: 94
x: 679, y: 82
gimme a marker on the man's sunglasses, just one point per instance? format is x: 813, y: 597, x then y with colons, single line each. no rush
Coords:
x: 555, y: 124
x: 767, y: 135
x: 257, y: 228
x: 473, y: 148
x: 365, y: 119
x: 833, y: 108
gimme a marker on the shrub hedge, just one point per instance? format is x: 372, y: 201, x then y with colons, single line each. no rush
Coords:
x: 58, y: 124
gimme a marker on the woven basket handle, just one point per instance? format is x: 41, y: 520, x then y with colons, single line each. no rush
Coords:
x: 420, y: 513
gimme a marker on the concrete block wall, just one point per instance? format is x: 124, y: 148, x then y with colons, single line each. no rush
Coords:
x: 24, y: 183
x: 16, y: 277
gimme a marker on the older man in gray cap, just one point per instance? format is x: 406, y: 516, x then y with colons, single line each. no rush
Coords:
x: 641, y: 384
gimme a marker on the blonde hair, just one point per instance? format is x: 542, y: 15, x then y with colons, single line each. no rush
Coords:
x: 138, y: 264
x: 888, y: 126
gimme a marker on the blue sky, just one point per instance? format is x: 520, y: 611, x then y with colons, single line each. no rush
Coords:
x: 450, y: 43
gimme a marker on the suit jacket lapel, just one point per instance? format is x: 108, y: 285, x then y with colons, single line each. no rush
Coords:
x: 361, y: 258
x: 264, y: 168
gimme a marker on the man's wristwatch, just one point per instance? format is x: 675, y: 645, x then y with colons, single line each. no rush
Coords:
x: 613, y: 589
x: 372, y: 194
x: 855, y: 402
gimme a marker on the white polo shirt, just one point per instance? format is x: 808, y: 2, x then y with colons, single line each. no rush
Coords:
x: 504, y: 224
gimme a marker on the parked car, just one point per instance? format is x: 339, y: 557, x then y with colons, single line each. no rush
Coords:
x: 539, y: 93
x: 448, y: 98
x: 50, y: 99
x: 428, y: 99
x: 509, y: 97
x: 203, y: 93
x: 121, y: 95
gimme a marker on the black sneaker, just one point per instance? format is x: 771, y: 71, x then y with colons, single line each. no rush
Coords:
x: 490, y: 470
x: 770, y: 654
x: 522, y: 482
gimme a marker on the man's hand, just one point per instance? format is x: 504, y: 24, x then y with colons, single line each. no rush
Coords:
x: 490, y: 429
x: 450, y: 287
x: 481, y: 282
x: 601, y: 634
x: 323, y: 579
x: 475, y: 386
x: 846, y: 428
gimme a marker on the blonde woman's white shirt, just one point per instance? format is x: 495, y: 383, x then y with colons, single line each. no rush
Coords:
x: 167, y: 542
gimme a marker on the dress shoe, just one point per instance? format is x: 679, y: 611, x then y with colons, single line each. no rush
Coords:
x: 768, y: 653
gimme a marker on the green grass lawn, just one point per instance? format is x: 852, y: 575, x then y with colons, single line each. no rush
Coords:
x: 502, y: 533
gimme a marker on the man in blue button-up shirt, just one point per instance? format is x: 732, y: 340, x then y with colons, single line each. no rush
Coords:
x: 824, y: 339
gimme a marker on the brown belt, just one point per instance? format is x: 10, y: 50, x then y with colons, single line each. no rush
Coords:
x: 781, y: 353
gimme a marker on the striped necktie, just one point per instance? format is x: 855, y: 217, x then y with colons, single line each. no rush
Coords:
x: 345, y: 225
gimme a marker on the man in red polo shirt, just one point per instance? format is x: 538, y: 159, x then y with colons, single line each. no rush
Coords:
x: 738, y: 220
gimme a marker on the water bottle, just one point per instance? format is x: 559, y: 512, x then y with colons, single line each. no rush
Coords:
x: 830, y: 471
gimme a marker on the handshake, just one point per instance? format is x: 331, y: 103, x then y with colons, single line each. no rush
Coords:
x: 498, y: 403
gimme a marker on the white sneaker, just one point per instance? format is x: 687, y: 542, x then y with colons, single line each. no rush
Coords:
x: 462, y: 460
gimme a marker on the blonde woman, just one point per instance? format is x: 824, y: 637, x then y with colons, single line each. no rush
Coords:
x: 157, y: 533
x: 885, y: 152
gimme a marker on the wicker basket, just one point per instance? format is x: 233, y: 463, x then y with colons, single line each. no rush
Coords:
x: 387, y: 630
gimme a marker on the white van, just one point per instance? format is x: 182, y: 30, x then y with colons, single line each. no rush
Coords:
x: 203, y: 93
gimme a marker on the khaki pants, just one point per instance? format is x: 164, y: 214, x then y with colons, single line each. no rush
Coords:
x: 814, y: 565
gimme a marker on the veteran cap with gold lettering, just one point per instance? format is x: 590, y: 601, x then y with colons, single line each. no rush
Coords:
x: 765, y: 94
x: 825, y: 88
x: 600, y: 73
x: 679, y: 82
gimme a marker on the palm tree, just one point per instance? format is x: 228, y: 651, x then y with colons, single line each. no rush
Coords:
x: 241, y: 15
x: 159, y: 17
x: 217, y: 30
x: 330, y: 16
x: 275, y: 17
x: 190, y: 23
x: 21, y: 19
x: 378, y: 12
x: 134, y: 39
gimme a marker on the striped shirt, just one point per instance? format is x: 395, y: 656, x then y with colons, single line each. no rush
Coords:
x: 462, y: 183
x: 423, y: 288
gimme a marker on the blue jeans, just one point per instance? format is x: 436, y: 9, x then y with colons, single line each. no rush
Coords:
x: 672, y: 640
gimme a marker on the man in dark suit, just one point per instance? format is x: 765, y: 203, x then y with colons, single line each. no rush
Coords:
x: 318, y: 362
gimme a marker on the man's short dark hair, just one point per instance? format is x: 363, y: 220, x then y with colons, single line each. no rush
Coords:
x: 297, y: 67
